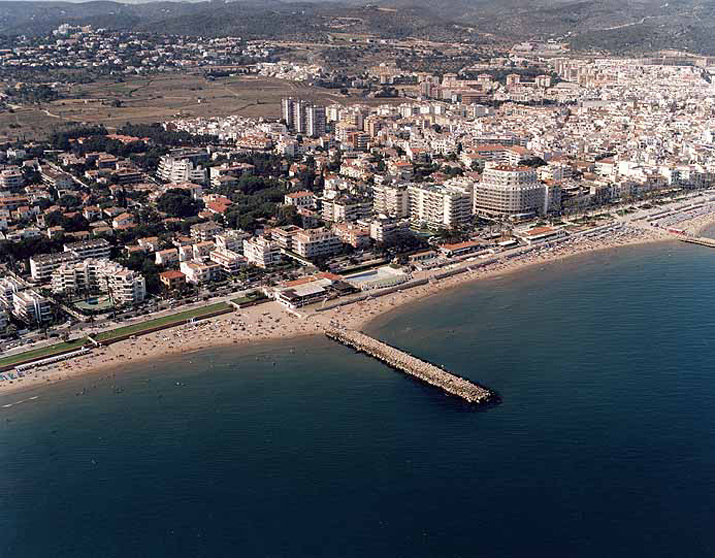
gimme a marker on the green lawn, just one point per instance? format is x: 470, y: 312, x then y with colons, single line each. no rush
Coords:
x: 44, y: 352
x: 169, y: 320
x: 249, y: 297
x: 133, y: 329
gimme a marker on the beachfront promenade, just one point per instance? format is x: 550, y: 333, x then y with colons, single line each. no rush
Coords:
x: 400, y: 360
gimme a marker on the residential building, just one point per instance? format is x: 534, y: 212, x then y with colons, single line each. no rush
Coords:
x: 231, y: 240
x: 125, y: 286
x: 302, y: 199
x: 202, y: 232
x: 262, y: 252
x: 315, y: 121
x: 149, y: 243
x: 31, y: 308
x: 201, y: 250
x: 99, y: 248
x: 387, y: 230
x: 346, y: 208
x: 172, y: 280
x: 42, y: 265
x: 507, y: 191
x: 283, y: 236
x: 186, y: 252
x: 123, y: 221
x: 288, y: 106
x: 9, y: 286
x: 229, y: 174
x: 437, y: 205
x: 167, y: 258
x: 355, y: 234
x: 180, y: 169
x: 198, y: 273
x: 11, y: 179
x: 230, y: 262
x: 302, y: 117
x: 194, y: 190
x: 391, y: 200
x: 316, y: 243
x: 60, y: 181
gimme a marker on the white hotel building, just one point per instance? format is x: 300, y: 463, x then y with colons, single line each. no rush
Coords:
x: 507, y: 191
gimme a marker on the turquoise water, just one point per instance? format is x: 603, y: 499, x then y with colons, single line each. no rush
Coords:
x: 604, y: 444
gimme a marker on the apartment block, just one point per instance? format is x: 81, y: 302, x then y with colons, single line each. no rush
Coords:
x: 99, y: 248
x: 202, y: 232
x: 230, y: 262
x: 389, y: 229
x: 300, y: 200
x: 391, y: 200
x: 346, y: 208
x: 231, y: 240
x: 177, y: 169
x: 31, y: 307
x: 436, y: 205
x: 198, y: 273
x: 167, y: 258
x: 354, y: 234
x: 507, y: 191
x: 262, y: 252
x: 302, y: 117
x: 125, y: 286
x: 316, y: 243
x: 11, y: 179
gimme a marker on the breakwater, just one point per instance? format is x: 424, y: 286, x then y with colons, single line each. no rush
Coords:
x: 418, y: 368
x: 701, y: 240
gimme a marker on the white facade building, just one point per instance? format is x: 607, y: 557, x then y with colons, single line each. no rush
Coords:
x: 391, y: 200
x: 316, y: 243
x: 31, y: 307
x: 125, y: 286
x: 173, y: 169
x: 229, y: 261
x: 439, y: 205
x: 262, y: 252
x: 509, y: 192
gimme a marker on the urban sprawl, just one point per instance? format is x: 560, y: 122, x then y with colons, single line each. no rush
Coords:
x: 333, y: 202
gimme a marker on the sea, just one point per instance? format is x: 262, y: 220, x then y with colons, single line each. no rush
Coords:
x: 603, y: 443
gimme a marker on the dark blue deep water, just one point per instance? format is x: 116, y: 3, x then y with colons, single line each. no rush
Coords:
x: 604, y: 444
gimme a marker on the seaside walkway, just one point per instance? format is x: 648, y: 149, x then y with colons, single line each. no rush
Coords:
x: 404, y: 362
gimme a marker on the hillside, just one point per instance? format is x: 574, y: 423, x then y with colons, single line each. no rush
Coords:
x: 259, y: 19
x: 621, y: 26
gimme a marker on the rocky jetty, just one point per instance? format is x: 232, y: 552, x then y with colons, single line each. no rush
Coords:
x: 404, y: 362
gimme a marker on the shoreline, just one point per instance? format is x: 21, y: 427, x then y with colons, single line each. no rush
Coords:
x: 272, y: 322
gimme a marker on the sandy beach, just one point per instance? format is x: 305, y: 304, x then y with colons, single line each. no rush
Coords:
x: 271, y: 321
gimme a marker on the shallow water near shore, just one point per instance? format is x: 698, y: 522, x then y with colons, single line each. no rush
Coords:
x: 602, y: 445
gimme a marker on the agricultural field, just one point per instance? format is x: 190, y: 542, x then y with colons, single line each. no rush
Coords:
x: 159, y: 98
